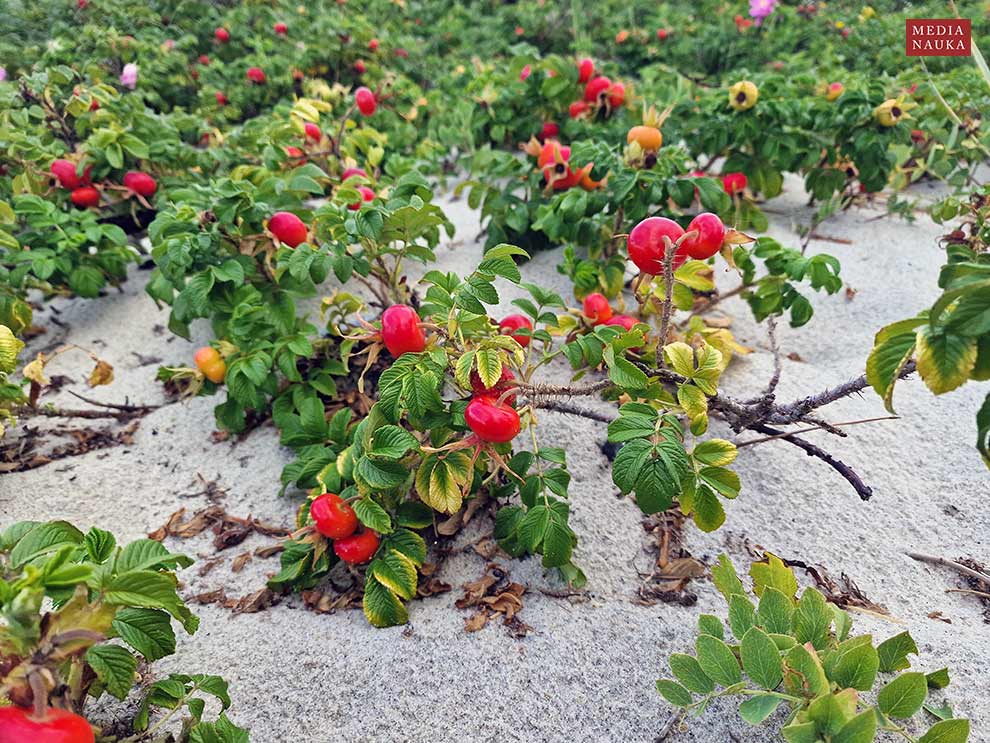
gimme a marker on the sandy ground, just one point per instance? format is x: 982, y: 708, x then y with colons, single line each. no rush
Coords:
x: 586, y: 672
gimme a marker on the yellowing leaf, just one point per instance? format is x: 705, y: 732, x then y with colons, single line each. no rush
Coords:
x: 945, y: 360
x: 35, y: 371
x: 102, y: 374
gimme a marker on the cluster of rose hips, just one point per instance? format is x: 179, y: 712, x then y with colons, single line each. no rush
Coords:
x: 490, y: 414
x: 601, y: 95
x: 84, y: 194
x: 335, y: 519
x: 647, y: 246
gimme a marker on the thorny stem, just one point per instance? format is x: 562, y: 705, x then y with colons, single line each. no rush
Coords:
x: 668, y: 296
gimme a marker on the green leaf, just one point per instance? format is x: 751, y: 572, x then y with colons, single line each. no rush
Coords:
x: 758, y: 708
x: 717, y: 660
x: 148, y: 631
x: 725, y: 578
x: 711, y: 625
x: 707, y: 511
x: 775, y: 611
x: 893, y: 652
x: 812, y: 619
x: 147, y: 554
x: 114, y: 666
x: 938, y: 679
x: 945, y: 360
x: 903, y: 696
x: 742, y: 614
x: 674, y: 693
x: 947, y: 731
x: 805, y: 732
x: 853, y: 664
x: 391, y: 442
x: 803, y: 673
x: 489, y: 363
x: 860, y: 729
x: 396, y: 572
x: 761, y: 659
x: 149, y: 590
x: 44, y: 539
x: 893, y: 347
x: 381, y: 607
x: 372, y: 515
x: 715, y: 452
x: 100, y: 544
x: 830, y: 712
x: 687, y: 670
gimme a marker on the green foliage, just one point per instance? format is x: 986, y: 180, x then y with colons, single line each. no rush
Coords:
x: 65, y: 594
x: 798, y: 652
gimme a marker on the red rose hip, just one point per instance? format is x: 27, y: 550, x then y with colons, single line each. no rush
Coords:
x: 511, y: 323
x: 490, y: 421
x: 140, y: 183
x: 711, y: 235
x: 365, y: 100
x: 597, y: 308
x: 357, y: 548
x: 401, y: 332
x: 288, y: 228
x: 334, y: 517
x: 647, y: 247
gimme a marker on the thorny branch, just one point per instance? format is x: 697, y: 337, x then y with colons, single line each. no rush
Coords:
x: 759, y: 414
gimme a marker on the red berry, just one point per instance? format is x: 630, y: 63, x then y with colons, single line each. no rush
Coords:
x: 294, y: 152
x: 400, y: 52
x: 256, y: 75
x: 622, y: 320
x: 734, y: 183
x: 595, y: 87
x: 140, y: 183
x: 549, y: 131
x: 661, y: 33
x: 597, y: 308
x: 359, y: 67
x: 357, y: 548
x: 711, y: 235
x: 313, y: 132
x: 577, y: 108
x: 85, y: 196
x: 222, y: 99
x: 288, y: 228
x: 366, y: 195
x: 351, y: 172
x: 401, y: 332
x: 512, y: 323
x: 586, y: 68
x: 504, y: 382
x: 490, y: 421
x: 204, y: 60
x: 65, y: 172
x: 647, y: 247
x: 373, y: 45
x: 616, y: 95
x: 222, y: 35
x: 525, y: 72
x: 281, y: 29
x: 55, y: 726
x: 520, y: 30
x: 334, y: 518
x: 365, y: 100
